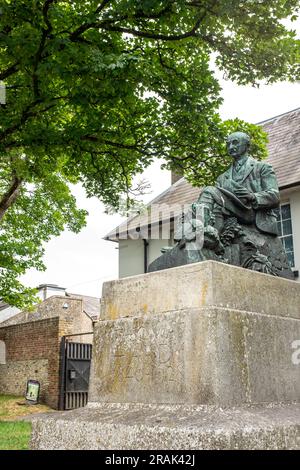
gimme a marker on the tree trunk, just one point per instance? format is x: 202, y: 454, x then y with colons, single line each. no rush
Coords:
x: 10, y: 196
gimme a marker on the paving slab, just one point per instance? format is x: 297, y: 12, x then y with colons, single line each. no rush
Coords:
x: 169, y: 427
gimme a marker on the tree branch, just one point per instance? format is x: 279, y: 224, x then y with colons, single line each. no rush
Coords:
x: 102, y: 6
x: 152, y: 35
x: 166, y: 66
x: 25, y: 115
x: 10, y: 71
x: 45, y: 32
x: 10, y: 196
x: 104, y: 23
x: 85, y: 27
x: 119, y: 145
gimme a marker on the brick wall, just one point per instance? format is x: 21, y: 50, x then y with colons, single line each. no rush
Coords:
x: 32, y: 352
x: 32, y: 342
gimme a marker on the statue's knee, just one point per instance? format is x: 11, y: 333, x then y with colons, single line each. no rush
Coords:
x: 206, y: 193
x: 208, y: 190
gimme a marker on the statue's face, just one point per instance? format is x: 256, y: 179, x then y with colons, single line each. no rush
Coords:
x: 237, y: 144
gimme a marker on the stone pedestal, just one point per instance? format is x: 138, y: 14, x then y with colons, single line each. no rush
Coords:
x: 205, y: 333
x: 190, y: 342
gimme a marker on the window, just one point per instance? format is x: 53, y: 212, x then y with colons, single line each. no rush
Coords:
x: 2, y: 353
x: 285, y: 230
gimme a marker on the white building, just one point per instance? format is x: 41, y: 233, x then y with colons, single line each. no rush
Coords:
x: 142, y: 236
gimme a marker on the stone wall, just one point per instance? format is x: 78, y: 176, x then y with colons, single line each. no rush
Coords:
x: 68, y: 309
x: 32, y: 341
x: 14, y: 376
x: 32, y: 352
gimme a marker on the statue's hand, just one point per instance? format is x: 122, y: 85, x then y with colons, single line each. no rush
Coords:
x: 243, y: 193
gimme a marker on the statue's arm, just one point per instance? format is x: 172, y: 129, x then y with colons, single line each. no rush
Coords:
x: 268, y: 196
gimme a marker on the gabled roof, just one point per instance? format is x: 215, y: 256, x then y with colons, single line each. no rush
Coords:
x: 283, y: 154
x: 3, y: 305
x: 91, y: 305
x: 284, y: 147
x: 169, y: 202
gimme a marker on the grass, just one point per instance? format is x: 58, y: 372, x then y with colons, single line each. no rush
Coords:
x: 15, y: 435
x: 12, y: 407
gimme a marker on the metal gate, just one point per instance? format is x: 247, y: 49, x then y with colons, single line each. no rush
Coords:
x: 75, y: 373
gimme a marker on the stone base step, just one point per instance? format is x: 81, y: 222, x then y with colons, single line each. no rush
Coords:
x: 131, y: 426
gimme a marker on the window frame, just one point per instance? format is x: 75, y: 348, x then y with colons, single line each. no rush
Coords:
x: 282, y: 236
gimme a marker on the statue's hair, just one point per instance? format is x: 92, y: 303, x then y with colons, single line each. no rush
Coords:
x: 240, y: 134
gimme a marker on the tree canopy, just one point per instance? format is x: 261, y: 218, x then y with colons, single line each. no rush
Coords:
x: 97, y: 89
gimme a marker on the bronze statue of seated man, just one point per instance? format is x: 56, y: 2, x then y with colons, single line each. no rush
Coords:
x: 248, y: 190
x: 238, y: 221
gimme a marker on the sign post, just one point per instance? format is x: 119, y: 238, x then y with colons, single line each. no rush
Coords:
x: 32, y: 392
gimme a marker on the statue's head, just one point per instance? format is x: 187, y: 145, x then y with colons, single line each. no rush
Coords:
x: 238, y: 144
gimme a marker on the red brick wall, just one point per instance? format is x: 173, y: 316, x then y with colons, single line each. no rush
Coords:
x: 32, y: 352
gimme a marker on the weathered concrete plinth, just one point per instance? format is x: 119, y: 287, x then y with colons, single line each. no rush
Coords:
x: 158, y: 427
x: 190, y: 357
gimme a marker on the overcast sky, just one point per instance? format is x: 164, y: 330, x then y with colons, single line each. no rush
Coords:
x: 82, y: 262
